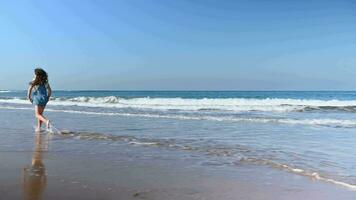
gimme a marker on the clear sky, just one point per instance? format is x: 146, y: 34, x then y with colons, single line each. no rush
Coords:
x: 180, y: 44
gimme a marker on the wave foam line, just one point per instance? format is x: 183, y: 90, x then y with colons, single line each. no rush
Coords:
x: 311, y: 122
x: 145, y: 141
x: 313, y: 175
x: 229, y: 104
x: 211, y: 151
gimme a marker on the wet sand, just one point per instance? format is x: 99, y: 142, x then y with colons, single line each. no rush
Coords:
x: 43, y: 174
x: 54, y: 167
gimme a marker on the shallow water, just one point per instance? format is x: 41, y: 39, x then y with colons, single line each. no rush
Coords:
x: 305, y: 133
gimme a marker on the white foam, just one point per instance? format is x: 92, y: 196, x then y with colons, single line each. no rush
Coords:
x: 143, y: 143
x: 311, y: 122
x: 229, y: 104
x: 313, y: 175
x: 5, y: 91
x: 317, y: 176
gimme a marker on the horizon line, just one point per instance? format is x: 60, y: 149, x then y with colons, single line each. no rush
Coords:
x: 165, y: 90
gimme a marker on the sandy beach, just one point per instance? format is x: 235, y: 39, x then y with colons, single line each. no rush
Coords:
x: 177, y: 100
x: 47, y: 166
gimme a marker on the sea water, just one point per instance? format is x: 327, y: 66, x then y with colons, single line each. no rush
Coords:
x: 308, y: 133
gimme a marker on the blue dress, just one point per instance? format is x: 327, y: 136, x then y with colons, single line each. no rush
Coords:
x: 39, y: 95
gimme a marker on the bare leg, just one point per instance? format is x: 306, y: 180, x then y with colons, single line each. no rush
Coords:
x: 40, y: 111
x: 39, y: 124
x: 48, y: 121
x: 40, y: 118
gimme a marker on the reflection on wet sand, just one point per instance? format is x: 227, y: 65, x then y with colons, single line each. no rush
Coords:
x: 34, y: 179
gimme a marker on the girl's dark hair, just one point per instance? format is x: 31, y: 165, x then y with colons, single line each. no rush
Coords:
x: 41, y: 77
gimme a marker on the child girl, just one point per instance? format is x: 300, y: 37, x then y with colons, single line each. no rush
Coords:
x: 39, y: 93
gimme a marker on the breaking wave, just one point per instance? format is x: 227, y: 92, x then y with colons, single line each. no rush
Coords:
x: 222, y: 104
x: 5, y: 91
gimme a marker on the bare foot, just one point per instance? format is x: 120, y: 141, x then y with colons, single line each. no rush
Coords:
x: 38, y: 129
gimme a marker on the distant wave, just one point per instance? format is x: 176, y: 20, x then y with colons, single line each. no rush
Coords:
x: 336, y: 123
x: 228, y: 104
x: 5, y: 91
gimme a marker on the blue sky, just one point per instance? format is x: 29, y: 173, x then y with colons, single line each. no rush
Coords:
x: 181, y: 44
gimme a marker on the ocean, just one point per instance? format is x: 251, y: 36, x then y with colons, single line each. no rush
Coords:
x: 306, y: 133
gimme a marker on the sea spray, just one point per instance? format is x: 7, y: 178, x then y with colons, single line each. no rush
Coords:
x: 53, y: 130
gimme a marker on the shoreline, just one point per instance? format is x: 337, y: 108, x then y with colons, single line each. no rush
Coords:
x: 62, y: 167
x: 87, y: 176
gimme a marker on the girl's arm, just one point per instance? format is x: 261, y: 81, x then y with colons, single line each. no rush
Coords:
x: 49, y: 91
x: 29, y: 92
